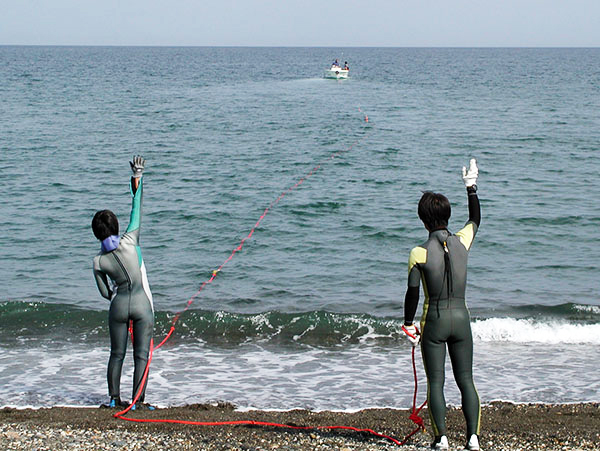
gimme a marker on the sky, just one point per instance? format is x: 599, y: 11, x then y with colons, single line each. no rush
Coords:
x: 305, y: 23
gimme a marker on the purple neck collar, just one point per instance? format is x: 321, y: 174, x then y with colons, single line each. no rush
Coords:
x: 110, y: 244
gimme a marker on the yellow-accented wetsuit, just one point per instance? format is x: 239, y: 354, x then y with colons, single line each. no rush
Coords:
x: 441, y: 263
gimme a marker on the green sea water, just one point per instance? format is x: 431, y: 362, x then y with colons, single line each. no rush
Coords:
x: 225, y: 131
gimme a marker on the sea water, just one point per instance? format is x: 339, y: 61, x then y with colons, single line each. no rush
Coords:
x: 308, y: 313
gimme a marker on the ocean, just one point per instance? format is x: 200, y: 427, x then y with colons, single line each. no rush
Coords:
x: 308, y: 313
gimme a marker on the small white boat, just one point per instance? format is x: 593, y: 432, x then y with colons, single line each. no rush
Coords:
x: 336, y: 72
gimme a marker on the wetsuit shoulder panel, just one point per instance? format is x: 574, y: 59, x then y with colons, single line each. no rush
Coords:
x: 467, y: 234
x: 418, y: 255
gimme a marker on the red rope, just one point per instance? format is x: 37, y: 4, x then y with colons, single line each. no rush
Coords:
x: 239, y: 247
x: 414, y: 415
x: 130, y: 329
x: 120, y: 414
x: 260, y: 423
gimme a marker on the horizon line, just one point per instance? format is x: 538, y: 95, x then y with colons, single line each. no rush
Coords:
x: 311, y: 46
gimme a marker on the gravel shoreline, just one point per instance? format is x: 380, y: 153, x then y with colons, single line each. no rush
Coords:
x: 504, y: 426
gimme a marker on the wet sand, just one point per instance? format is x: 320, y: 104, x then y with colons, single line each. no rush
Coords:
x: 504, y: 426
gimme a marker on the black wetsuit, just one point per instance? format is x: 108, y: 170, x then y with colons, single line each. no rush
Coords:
x: 131, y: 300
x: 441, y: 264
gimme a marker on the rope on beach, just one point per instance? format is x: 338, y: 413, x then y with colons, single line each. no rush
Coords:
x: 262, y: 423
x: 414, y: 416
x: 120, y: 415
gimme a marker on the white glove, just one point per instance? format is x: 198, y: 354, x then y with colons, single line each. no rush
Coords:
x: 412, y: 333
x: 137, y: 166
x: 470, y: 177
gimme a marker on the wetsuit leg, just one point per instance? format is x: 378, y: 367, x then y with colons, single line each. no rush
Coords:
x: 433, y: 348
x: 143, y: 325
x: 460, y: 348
x: 117, y: 325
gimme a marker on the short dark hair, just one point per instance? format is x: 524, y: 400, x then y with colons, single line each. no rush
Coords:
x: 105, y: 224
x: 434, y: 210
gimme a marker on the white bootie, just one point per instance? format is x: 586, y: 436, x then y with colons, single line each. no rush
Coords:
x: 473, y: 443
x: 440, y: 443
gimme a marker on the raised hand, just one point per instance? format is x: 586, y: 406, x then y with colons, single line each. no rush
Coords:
x: 470, y: 176
x: 137, y: 166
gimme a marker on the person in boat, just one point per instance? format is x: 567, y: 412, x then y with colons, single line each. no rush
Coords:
x: 346, y: 66
x: 120, y: 260
x: 441, y: 264
x: 335, y: 63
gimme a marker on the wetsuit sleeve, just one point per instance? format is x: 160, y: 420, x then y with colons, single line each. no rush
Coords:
x: 411, y: 301
x: 417, y: 257
x: 467, y: 233
x: 135, y: 219
x: 474, y: 208
x: 101, y: 280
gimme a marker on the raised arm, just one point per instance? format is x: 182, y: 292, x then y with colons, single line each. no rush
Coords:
x: 474, y: 208
x: 470, y: 179
x: 467, y: 234
x: 135, y: 219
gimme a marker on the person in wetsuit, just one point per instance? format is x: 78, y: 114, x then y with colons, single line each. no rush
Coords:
x: 441, y: 264
x: 120, y: 260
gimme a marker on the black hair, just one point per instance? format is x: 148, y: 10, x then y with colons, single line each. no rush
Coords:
x: 434, y: 210
x: 105, y: 224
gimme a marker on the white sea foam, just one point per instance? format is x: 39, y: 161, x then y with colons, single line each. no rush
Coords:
x: 587, y: 308
x: 347, y: 378
x: 532, y: 331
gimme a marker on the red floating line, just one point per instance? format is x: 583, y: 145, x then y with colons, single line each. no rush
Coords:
x: 120, y: 414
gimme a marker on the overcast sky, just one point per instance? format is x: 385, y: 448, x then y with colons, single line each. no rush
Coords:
x: 328, y: 23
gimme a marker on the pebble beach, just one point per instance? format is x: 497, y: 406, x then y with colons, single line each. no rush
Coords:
x: 505, y: 426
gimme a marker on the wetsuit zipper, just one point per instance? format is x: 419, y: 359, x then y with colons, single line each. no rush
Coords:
x: 124, y: 271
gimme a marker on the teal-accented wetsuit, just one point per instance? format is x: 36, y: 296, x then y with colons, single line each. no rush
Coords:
x: 441, y: 264
x: 130, y: 300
